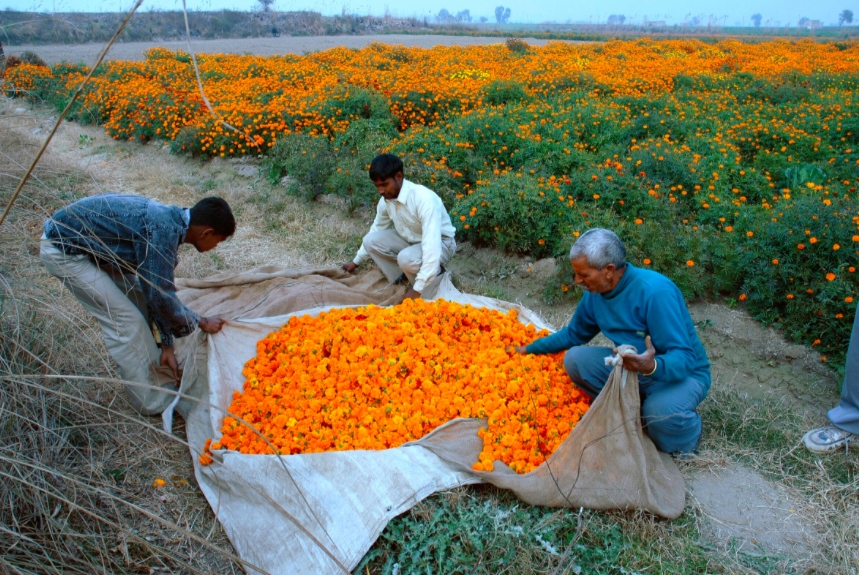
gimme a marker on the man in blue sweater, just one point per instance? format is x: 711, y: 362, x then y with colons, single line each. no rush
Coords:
x: 644, y: 309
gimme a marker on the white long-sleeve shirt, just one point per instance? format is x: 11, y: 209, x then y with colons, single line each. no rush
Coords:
x: 419, y: 216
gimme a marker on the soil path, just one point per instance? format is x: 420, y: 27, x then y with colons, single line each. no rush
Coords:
x: 53, y: 53
x: 736, y: 502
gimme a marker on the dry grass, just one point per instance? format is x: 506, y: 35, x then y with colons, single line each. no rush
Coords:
x: 76, y: 462
x: 823, y: 488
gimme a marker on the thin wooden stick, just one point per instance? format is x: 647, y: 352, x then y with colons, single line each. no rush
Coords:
x: 68, y: 107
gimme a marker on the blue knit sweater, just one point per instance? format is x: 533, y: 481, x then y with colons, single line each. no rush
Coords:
x: 643, y: 303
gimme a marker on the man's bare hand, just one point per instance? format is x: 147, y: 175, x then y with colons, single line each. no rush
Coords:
x: 349, y: 267
x: 168, y: 359
x: 412, y: 294
x: 643, y: 362
x: 212, y: 324
x: 520, y: 349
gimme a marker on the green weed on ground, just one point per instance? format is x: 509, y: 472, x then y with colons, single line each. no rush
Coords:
x: 482, y: 530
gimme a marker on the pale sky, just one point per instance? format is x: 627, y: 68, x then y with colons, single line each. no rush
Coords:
x: 728, y: 12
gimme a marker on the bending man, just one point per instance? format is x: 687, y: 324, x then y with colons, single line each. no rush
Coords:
x: 644, y: 309
x: 412, y: 236
x: 117, y: 254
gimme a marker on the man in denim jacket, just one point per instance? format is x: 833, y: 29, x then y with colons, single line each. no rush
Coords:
x: 116, y: 254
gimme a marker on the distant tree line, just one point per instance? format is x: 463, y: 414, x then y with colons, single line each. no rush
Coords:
x: 80, y: 27
x: 445, y: 16
x: 844, y: 17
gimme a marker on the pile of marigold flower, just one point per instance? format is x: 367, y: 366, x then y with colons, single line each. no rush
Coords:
x: 376, y: 378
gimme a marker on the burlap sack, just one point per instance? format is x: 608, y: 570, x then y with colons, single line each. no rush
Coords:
x: 320, y: 513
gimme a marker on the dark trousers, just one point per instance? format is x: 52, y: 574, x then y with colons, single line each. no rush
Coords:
x: 667, y: 409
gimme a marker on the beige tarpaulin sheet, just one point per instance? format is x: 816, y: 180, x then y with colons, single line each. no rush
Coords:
x: 320, y: 513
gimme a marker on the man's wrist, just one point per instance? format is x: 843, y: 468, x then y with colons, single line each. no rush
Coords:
x: 655, y: 367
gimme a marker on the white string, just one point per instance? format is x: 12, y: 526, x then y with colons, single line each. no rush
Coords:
x: 250, y: 140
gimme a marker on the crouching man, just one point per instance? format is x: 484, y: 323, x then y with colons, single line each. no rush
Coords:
x: 117, y: 254
x: 641, y: 308
x: 412, y: 236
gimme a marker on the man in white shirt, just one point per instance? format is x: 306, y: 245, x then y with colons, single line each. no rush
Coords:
x: 412, y: 235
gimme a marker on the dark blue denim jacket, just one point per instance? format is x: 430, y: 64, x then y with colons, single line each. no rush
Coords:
x: 136, y: 235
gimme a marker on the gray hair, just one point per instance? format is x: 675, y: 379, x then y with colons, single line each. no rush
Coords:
x: 600, y: 247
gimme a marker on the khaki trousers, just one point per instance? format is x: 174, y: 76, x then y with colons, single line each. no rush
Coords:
x: 116, y: 301
x: 395, y: 256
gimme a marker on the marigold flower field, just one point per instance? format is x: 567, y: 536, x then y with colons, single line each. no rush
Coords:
x: 375, y: 378
x: 731, y: 167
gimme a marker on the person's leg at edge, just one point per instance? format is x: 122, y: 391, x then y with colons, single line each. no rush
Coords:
x: 844, y: 416
x: 670, y: 416
x: 126, y: 331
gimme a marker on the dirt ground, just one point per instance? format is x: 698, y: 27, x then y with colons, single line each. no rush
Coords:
x: 86, y: 53
x: 739, y: 505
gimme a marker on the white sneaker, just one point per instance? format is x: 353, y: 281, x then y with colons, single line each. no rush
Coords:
x: 827, y: 438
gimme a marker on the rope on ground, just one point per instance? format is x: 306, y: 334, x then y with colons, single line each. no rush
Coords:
x: 68, y: 107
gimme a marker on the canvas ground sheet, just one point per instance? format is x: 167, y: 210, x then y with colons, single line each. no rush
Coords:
x: 321, y: 512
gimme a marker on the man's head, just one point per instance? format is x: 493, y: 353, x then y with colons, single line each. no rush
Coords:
x: 386, y: 171
x: 212, y: 222
x: 599, y: 260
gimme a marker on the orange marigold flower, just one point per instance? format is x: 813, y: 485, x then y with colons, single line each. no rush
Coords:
x: 743, y: 297
x: 830, y: 276
x: 775, y: 262
x: 750, y: 234
x: 647, y: 261
x: 800, y: 246
x: 375, y: 378
x: 848, y: 299
x: 790, y: 296
x: 836, y: 247
x: 158, y: 483
x: 690, y: 263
